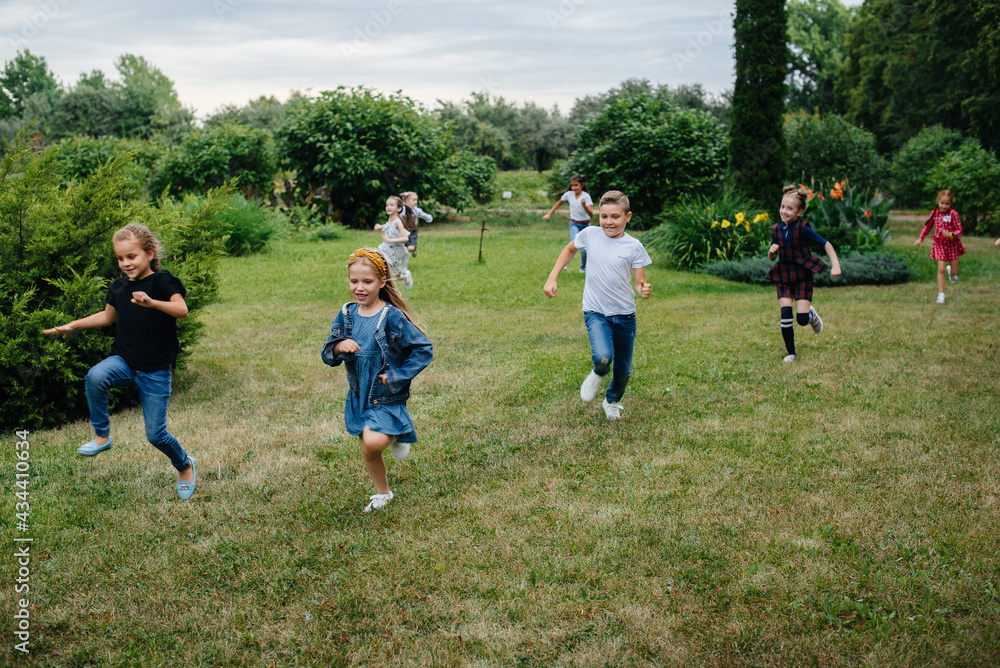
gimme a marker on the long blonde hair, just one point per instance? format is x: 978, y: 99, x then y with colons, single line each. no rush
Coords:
x: 388, y: 292
x: 147, y: 241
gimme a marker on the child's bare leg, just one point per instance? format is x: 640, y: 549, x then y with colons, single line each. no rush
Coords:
x: 942, y: 274
x: 372, y: 446
x: 802, y: 306
x: 954, y: 267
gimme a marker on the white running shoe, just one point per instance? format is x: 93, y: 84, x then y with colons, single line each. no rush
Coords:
x: 408, y: 280
x: 789, y: 358
x: 814, y: 320
x: 940, y: 298
x: 400, y: 450
x: 613, y: 411
x: 378, y: 501
x: 591, y: 384
x: 952, y: 279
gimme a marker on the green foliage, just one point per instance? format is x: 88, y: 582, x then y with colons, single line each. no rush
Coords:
x: 326, y: 232
x: 264, y: 113
x: 916, y: 158
x: 244, y: 226
x: 81, y: 156
x: 147, y: 101
x: 700, y: 230
x: 650, y: 149
x: 850, y: 219
x: 816, y: 32
x: 364, y: 146
x: 867, y: 269
x: 22, y: 78
x: 224, y: 153
x: 828, y: 147
x: 55, y: 264
x: 972, y: 173
x: 757, y: 162
x: 528, y: 189
x: 466, y: 179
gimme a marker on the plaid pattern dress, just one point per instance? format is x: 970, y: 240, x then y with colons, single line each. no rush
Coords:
x: 943, y: 248
x: 795, y: 262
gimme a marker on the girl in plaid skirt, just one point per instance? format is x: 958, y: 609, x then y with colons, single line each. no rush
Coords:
x: 947, y: 246
x: 793, y: 273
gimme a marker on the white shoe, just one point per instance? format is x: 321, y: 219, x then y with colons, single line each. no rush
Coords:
x: 789, y: 358
x: 952, y: 279
x: 940, y: 299
x: 408, y: 280
x: 400, y: 450
x: 378, y: 501
x: 591, y: 384
x: 814, y: 320
x: 613, y: 411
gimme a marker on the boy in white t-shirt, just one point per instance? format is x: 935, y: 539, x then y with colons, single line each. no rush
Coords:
x: 608, y: 298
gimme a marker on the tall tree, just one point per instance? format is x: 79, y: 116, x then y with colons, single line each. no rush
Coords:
x: 757, y: 141
x: 817, y: 31
x: 23, y: 77
x: 148, y: 101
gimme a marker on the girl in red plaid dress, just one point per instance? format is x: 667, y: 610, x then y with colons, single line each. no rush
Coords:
x: 793, y: 273
x: 947, y: 246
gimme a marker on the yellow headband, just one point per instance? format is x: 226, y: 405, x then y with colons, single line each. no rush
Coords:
x: 374, y: 257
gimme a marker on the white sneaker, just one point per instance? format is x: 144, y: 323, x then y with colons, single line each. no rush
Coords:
x: 400, y: 450
x: 952, y: 279
x: 613, y: 411
x: 408, y: 280
x: 814, y: 320
x: 378, y: 501
x: 789, y: 358
x: 591, y: 384
x: 940, y: 299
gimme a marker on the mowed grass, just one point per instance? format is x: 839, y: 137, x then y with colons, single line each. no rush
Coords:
x: 844, y: 510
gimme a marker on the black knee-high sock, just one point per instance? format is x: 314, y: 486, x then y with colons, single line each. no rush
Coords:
x: 787, y: 329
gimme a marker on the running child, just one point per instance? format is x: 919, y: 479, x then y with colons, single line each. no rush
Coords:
x: 947, y: 246
x: 794, y: 271
x: 383, y: 349
x: 581, y: 209
x: 410, y: 202
x: 608, y: 298
x: 395, y: 236
x: 146, y: 303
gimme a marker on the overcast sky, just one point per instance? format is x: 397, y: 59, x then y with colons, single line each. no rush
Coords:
x: 229, y: 51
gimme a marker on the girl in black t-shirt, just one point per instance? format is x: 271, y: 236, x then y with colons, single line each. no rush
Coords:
x: 146, y: 303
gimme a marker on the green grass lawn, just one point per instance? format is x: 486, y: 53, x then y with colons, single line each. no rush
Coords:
x: 843, y: 510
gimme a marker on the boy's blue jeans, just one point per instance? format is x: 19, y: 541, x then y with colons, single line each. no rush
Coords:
x: 574, y: 229
x: 154, y: 393
x: 612, y: 340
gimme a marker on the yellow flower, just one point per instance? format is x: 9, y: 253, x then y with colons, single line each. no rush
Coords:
x: 747, y: 225
x: 725, y: 223
x: 715, y: 224
x: 759, y: 217
x: 740, y: 217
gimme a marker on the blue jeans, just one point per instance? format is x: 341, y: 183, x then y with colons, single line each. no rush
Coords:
x: 154, y: 393
x: 574, y: 229
x: 612, y: 339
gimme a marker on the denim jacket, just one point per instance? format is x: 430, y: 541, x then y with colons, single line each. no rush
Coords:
x: 405, y: 353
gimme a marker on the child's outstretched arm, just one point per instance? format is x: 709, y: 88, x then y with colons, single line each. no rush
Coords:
x: 552, y: 210
x: 639, y: 276
x: 176, y: 307
x: 99, y: 319
x: 834, y: 262
x: 927, y: 228
x: 564, y: 257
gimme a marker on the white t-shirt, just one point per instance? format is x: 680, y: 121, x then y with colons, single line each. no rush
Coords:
x: 608, y: 287
x: 576, y: 210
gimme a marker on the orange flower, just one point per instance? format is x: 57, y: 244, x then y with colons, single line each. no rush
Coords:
x: 821, y: 197
x: 868, y: 213
x: 837, y: 194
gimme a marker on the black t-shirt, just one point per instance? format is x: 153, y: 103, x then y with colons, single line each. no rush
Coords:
x: 146, y: 338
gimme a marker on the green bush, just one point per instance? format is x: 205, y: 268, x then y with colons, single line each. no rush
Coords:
x: 857, y: 269
x: 246, y: 227
x: 650, y: 149
x: 465, y: 179
x: 79, y: 157
x: 972, y: 173
x: 326, y: 232
x: 529, y: 189
x: 700, y: 229
x: 828, y: 147
x: 213, y: 157
x: 916, y: 159
x: 850, y: 220
x: 56, y: 261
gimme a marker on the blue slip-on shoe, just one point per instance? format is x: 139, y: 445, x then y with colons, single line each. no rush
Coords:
x: 184, y: 488
x: 91, y: 448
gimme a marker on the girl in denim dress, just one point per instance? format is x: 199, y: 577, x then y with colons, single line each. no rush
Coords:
x: 376, y: 338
